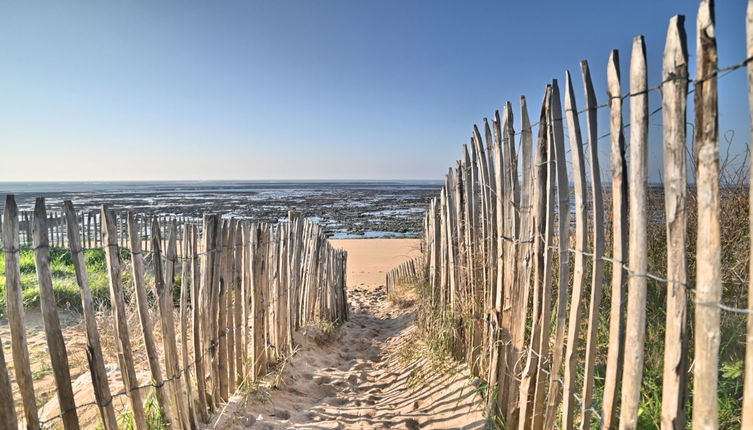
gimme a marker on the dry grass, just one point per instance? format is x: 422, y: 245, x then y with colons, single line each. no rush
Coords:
x: 404, y: 295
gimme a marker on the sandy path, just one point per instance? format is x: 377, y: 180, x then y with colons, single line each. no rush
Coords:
x: 374, y: 376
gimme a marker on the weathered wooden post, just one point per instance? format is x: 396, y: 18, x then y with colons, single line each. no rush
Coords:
x: 581, y: 246
x: 199, y: 302
x: 125, y: 352
x: 15, y: 310
x: 53, y: 333
x: 597, y: 272
x: 708, y: 247
x: 674, y: 102
x: 93, y: 346
x: 637, y: 251
x: 563, y: 215
x: 221, y: 305
x: 618, y: 167
x: 164, y: 284
x: 540, y: 248
x: 137, y: 263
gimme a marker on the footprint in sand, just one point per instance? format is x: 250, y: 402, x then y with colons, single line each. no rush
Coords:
x: 357, y: 381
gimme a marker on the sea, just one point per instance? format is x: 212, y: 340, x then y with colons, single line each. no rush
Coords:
x: 346, y: 209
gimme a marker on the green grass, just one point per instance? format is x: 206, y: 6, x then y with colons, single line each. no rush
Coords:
x: 154, y: 418
x: 64, y: 284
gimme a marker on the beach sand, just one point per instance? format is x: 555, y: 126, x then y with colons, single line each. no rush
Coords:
x: 370, y: 259
x: 376, y: 374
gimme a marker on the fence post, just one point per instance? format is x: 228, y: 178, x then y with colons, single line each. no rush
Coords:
x: 487, y: 240
x: 15, y: 310
x: 214, y: 314
x: 597, y: 273
x: 492, y: 223
x: 53, y: 333
x: 229, y: 281
x: 708, y: 253
x: 246, y: 297
x: 637, y: 251
x: 221, y: 332
x: 198, y: 360
x: 618, y: 167
x: 164, y: 283
x: 581, y: 246
x: 125, y: 353
x: 98, y: 230
x: 538, y: 225
x: 259, y: 238
x: 509, y: 254
x: 137, y: 263
x: 493, y: 193
x: 93, y: 346
x: 88, y: 230
x: 544, y: 322
x: 198, y: 302
x: 674, y: 102
x: 563, y: 214
x: 283, y: 292
x: 241, y: 325
x: 27, y: 227
x: 273, y: 279
x: 523, y: 264
x: 185, y: 275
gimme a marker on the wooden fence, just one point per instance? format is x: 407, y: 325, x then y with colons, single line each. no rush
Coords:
x: 245, y: 288
x: 92, y: 234
x: 407, y: 273
x: 508, y: 261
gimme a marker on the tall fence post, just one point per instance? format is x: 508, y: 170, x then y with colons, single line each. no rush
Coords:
x: 15, y: 310
x: 637, y: 251
x: 200, y: 301
x: 708, y: 248
x: 540, y: 166
x: 125, y: 353
x: 186, y: 267
x: 53, y: 333
x: 93, y: 346
x: 674, y: 102
x: 147, y: 326
x: 563, y: 222
x: 164, y: 279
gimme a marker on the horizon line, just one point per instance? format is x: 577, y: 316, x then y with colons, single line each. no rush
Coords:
x: 220, y: 180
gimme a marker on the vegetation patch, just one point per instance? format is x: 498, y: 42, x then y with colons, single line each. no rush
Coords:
x: 64, y: 283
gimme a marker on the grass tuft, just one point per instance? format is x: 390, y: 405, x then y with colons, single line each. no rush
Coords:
x: 64, y: 283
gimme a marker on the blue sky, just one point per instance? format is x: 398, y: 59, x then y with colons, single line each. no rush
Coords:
x: 306, y: 89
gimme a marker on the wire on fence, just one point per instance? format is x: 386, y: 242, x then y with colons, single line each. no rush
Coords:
x: 719, y: 73
x: 213, y: 344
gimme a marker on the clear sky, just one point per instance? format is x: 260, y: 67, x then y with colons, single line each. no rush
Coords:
x: 131, y: 90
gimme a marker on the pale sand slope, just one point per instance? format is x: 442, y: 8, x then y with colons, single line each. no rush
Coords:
x: 376, y: 375
x: 370, y: 259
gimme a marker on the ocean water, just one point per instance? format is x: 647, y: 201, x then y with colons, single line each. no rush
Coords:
x: 345, y: 208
